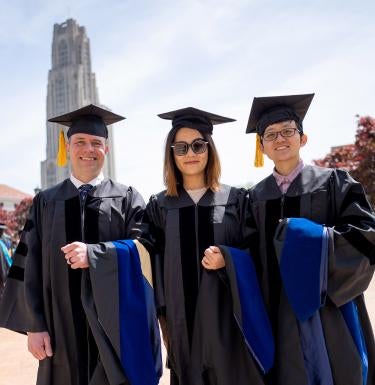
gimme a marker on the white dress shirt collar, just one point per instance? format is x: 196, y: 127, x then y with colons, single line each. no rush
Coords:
x: 94, y: 182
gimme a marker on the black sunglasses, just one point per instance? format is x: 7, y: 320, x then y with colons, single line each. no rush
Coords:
x: 198, y: 146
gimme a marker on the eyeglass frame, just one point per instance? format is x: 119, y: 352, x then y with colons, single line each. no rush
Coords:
x: 280, y: 132
x: 189, y: 145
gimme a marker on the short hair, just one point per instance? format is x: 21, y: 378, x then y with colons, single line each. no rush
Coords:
x: 106, y: 140
x: 172, y: 175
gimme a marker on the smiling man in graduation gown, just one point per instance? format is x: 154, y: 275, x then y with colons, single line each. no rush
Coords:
x: 54, y: 292
x: 316, y: 255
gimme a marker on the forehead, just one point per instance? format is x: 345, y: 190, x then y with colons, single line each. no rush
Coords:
x: 88, y: 137
x: 281, y: 125
x: 186, y: 134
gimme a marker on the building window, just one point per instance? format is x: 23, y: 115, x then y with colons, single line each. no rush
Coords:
x: 60, y: 93
x: 63, y: 58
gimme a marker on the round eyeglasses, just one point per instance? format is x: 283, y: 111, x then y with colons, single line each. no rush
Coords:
x: 198, y: 146
x: 285, y: 133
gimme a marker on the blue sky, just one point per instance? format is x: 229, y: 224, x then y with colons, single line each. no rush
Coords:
x: 155, y: 56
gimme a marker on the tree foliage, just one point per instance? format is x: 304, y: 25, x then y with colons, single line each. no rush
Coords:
x: 16, y: 219
x: 4, y: 215
x: 357, y: 158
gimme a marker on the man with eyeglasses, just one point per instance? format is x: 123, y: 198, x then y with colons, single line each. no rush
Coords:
x: 316, y: 255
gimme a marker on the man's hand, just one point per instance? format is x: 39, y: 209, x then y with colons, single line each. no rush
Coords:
x: 39, y: 345
x: 76, y: 255
x: 213, y: 259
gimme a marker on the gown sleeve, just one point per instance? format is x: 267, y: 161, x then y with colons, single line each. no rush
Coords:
x: 34, y: 268
x: 153, y: 238
x: 352, y: 258
x: 133, y: 208
x: 22, y: 307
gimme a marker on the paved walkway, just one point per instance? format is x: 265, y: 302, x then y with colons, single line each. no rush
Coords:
x: 18, y: 367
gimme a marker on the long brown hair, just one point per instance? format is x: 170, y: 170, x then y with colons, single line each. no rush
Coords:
x: 172, y: 175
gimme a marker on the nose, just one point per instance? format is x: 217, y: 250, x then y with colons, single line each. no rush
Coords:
x: 89, y: 147
x: 190, y: 152
x: 279, y: 137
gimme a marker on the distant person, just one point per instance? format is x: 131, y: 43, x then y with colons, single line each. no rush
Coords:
x: 68, y: 304
x: 5, y: 258
x: 316, y: 237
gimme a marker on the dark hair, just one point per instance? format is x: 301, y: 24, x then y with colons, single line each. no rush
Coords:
x: 172, y: 175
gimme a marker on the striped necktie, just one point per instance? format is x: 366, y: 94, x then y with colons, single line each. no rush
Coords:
x: 83, y: 190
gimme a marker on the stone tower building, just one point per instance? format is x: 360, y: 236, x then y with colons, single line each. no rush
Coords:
x: 71, y: 85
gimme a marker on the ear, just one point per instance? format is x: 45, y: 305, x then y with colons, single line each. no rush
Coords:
x: 106, y: 149
x: 261, y: 146
x: 303, y: 140
x: 67, y: 147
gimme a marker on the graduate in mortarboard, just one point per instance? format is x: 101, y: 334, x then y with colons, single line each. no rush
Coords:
x: 316, y: 250
x: 209, y: 305
x: 69, y: 301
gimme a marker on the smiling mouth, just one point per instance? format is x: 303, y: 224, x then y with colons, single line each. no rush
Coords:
x: 280, y: 148
x: 86, y: 158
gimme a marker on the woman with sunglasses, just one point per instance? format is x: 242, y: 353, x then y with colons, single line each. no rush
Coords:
x: 187, y: 222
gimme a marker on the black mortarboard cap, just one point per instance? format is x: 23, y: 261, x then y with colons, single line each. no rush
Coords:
x: 274, y: 109
x: 91, y: 119
x: 191, y: 117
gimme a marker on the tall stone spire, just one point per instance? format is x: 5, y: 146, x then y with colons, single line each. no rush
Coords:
x: 71, y: 85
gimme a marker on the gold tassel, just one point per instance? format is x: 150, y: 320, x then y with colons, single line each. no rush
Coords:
x: 61, y: 159
x: 259, y: 160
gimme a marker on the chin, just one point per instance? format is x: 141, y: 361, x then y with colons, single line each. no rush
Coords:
x: 189, y: 173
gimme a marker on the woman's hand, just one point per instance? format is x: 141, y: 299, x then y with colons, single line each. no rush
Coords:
x: 213, y: 259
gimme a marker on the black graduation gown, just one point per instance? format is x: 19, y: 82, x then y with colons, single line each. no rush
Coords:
x: 205, y: 343
x: 333, y: 198
x: 43, y: 294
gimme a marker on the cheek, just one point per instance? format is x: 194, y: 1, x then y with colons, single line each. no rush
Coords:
x: 177, y: 161
x: 267, y: 147
x: 297, y: 143
x: 72, y: 152
x: 205, y: 158
x: 101, y: 152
